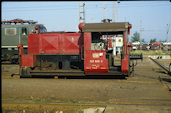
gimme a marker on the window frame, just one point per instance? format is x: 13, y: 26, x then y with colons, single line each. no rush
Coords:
x: 7, y: 32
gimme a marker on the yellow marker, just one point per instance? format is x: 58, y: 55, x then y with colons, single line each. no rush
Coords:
x: 72, y: 39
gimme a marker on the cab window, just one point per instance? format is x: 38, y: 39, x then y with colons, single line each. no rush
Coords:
x: 24, y: 31
x: 43, y: 29
x: 10, y: 31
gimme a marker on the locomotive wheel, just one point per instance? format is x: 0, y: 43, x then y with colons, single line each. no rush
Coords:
x: 25, y: 72
x: 14, y: 59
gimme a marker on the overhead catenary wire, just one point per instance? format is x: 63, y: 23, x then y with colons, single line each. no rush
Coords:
x: 75, y: 5
x: 65, y: 8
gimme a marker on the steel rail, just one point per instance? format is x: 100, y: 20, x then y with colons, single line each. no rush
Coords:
x: 84, y: 103
x: 2, y: 63
x: 163, y: 67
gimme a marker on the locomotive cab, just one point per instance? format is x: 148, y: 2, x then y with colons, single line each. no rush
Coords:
x: 99, y: 57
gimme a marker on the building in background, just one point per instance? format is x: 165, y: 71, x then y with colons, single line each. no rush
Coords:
x: 118, y: 42
x: 135, y: 45
x: 166, y: 46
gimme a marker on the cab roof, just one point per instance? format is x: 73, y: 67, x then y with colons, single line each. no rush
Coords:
x: 106, y: 27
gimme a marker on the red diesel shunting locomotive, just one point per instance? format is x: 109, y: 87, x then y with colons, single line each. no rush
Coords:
x: 75, y: 54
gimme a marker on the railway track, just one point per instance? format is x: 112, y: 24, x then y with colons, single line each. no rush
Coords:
x: 8, y: 63
x: 87, y: 103
x: 163, y: 67
x: 82, y: 107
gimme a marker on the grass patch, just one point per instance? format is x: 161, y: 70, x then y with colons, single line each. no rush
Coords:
x: 151, y: 52
x: 34, y: 99
x: 10, y: 98
x: 75, y: 101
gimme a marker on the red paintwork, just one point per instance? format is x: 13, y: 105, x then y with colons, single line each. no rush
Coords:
x: 125, y: 64
x: 80, y: 26
x: 20, y: 47
x: 54, y: 43
x: 125, y: 53
x: 94, y: 64
x: 19, y: 21
x: 33, y: 43
x: 155, y: 43
x: 129, y: 27
x: 37, y: 29
x: 28, y: 60
x: 98, y: 64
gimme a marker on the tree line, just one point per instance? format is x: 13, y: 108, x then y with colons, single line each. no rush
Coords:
x: 136, y: 38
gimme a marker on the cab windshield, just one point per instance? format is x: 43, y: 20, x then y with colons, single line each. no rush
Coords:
x: 43, y: 29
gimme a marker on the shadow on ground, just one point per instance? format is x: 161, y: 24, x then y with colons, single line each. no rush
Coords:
x: 166, y: 79
x: 82, y: 77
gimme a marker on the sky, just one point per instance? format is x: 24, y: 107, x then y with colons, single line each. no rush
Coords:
x: 151, y: 16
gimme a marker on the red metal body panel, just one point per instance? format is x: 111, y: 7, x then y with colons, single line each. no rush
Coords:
x: 28, y: 60
x: 125, y: 53
x: 71, y: 43
x: 125, y: 64
x: 33, y: 44
x: 94, y: 61
x: 54, y: 43
x: 50, y: 43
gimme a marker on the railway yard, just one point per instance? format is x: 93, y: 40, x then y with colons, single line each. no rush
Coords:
x: 147, y: 90
x: 48, y: 65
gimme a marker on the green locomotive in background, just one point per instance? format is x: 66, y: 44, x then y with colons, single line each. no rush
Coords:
x: 14, y: 32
